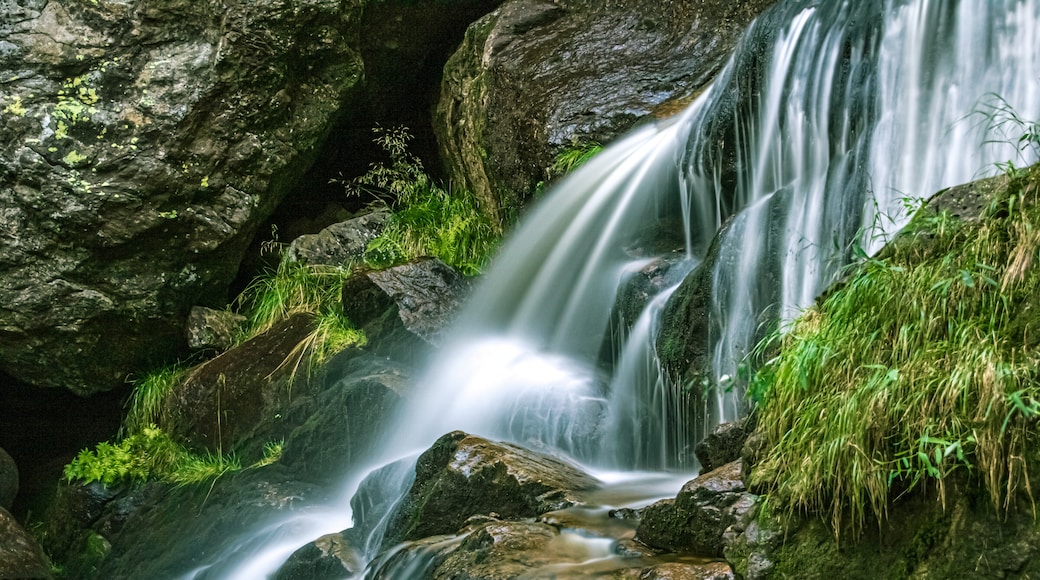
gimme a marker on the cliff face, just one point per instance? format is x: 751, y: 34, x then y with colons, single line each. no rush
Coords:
x: 140, y: 146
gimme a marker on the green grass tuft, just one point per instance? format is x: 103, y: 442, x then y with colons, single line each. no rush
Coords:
x: 146, y: 405
x: 426, y: 219
x: 921, y: 364
x: 573, y: 157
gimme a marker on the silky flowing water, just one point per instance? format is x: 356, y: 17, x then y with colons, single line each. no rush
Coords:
x: 829, y: 123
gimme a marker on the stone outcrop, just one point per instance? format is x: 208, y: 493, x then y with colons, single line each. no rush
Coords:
x: 535, y: 76
x: 328, y: 423
x: 224, y: 401
x: 330, y: 557
x: 140, y: 147
x: 464, y: 475
x: 724, y: 444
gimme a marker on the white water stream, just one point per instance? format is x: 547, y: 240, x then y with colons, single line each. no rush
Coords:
x: 830, y: 116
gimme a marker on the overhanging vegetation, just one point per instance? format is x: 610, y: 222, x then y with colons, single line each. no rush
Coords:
x: 923, y: 363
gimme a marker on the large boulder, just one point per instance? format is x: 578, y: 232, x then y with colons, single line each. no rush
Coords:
x: 327, y: 422
x: 227, y: 400
x: 463, y: 475
x: 160, y: 531
x: 328, y: 416
x: 141, y: 144
x: 535, y: 76
x: 330, y: 557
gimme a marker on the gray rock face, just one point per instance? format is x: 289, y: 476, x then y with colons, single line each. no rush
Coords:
x: 464, y: 475
x: 330, y: 557
x: 140, y: 147
x: 20, y: 555
x: 535, y: 75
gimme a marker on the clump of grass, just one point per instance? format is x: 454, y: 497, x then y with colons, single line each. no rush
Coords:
x: 426, y: 219
x: 291, y: 288
x: 145, y: 451
x: 272, y: 453
x: 295, y: 288
x: 567, y: 160
x: 147, y: 404
x: 922, y: 364
x: 573, y: 157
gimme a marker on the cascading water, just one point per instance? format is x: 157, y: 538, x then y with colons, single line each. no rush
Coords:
x: 830, y: 115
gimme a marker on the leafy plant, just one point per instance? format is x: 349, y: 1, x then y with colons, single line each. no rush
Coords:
x: 148, y: 454
x: 427, y: 220
x: 921, y: 364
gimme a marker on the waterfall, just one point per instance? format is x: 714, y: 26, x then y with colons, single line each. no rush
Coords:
x: 828, y: 122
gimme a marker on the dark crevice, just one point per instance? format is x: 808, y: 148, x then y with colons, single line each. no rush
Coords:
x: 404, y: 46
x: 42, y: 429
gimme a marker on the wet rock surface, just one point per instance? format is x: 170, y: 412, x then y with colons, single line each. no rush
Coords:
x: 212, y: 330
x: 424, y: 294
x: 326, y: 424
x: 205, y: 520
x: 464, y: 475
x: 330, y: 557
x: 493, y: 548
x: 724, y: 444
x: 224, y: 401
